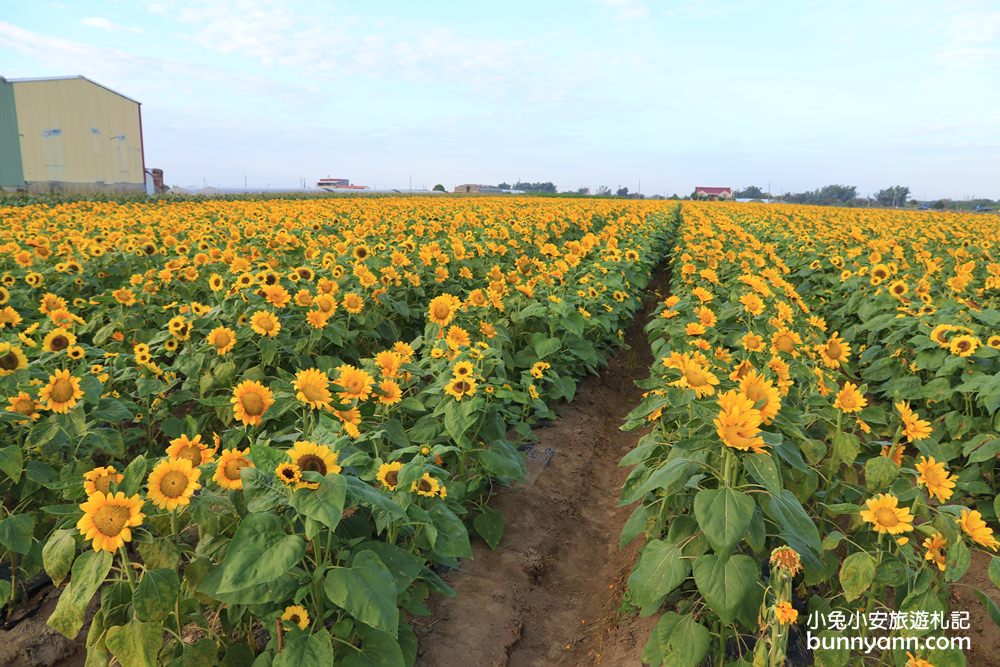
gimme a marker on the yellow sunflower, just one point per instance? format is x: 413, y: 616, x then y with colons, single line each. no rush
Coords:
x: 972, y: 524
x: 914, y: 428
x: 389, y: 392
x: 964, y: 345
x: 265, y: 323
x: 426, y: 486
x: 101, y: 479
x: 785, y: 613
x: 459, y: 388
x: 250, y: 401
x: 763, y: 393
x: 297, y: 616
x: 289, y: 473
x: 231, y: 461
x: 223, y: 339
x: 934, y: 475
x: 442, y: 309
x: 849, y: 399
x: 388, y: 474
x: 353, y: 303
x: 356, y: 383
x: 108, y: 519
x: 312, y: 457
x: 191, y: 449
x: 738, y: 423
x: 935, y: 545
x: 835, y: 351
x: 172, y: 483
x: 61, y: 393
x: 24, y: 404
x: 58, y: 340
x: 886, y: 516
x: 312, y: 388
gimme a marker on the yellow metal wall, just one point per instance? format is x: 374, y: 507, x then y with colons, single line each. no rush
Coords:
x: 75, y: 132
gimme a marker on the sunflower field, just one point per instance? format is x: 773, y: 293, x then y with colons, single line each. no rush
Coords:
x: 822, y: 430
x: 255, y: 430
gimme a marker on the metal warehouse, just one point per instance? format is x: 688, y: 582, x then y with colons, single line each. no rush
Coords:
x: 69, y: 134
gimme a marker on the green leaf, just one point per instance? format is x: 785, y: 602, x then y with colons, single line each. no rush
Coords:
x: 547, y: 346
x: 665, y: 475
x: 89, y: 572
x: 635, y: 525
x: 155, y: 594
x: 259, y: 552
x: 725, y: 583
x: 112, y: 410
x: 660, y: 570
x: 452, y: 538
x: 134, y: 475
x: 503, y: 461
x: 991, y: 607
x: 16, y: 531
x: 880, y: 472
x: 957, y: 561
x: 378, y: 649
x: 12, y: 462
x: 366, y: 590
x: 91, y: 387
x: 135, y: 644
x: 303, y: 649
x: 994, y: 571
x: 764, y: 471
x: 363, y: 493
x: 677, y: 641
x: 724, y: 516
x: 325, y: 504
x: 58, y: 553
x: 845, y: 448
x: 404, y: 565
x: 856, y: 575
x: 489, y: 525
x: 797, y: 527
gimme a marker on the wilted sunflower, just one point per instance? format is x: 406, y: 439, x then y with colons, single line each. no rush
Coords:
x: 223, y: 339
x: 191, y: 449
x: 388, y: 474
x: 172, y: 483
x: 785, y: 613
x: 101, y: 479
x: 108, y: 519
x: 250, y: 400
x: 312, y: 388
x: 12, y: 359
x: 61, y: 393
x: 231, y: 462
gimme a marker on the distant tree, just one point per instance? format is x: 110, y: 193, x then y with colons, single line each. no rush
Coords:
x: 583, y: 191
x: 940, y: 204
x: 603, y: 191
x: 504, y: 186
x: 674, y: 196
x: 622, y: 192
x: 894, y: 196
x: 751, y: 192
x: 438, y: 188
x: 547, y: 187
x: 828, y: 195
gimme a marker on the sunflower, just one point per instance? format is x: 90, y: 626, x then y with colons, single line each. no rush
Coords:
x: 388, y: 474
x: 697, y: 377
x: 752, y: 303
x: 24, y: 404
x: 458, y: 338
x: 108, y: 519
x: 940, y: 334
x: 459, y: 388
x: 934, y: 475
x: 994, y: 342
x: 849, y: 399
x: 289, y: 473
x: 786, y: 558
x: 317, y: 319
x: 231, y: 461
x: 312, y: 457
x: 537, y: 369
x: 835, y: 351
x: 312, y: 388
x: 784, y: 341
x: 389, y: 392
x: 738, y: 423
x: 357, y: 384
x: 935, y: 545
x: 250, y: 401
x: 763, y: 394
x: 785, y: 613
x: 463, y: 369
x: 101, y: 479
x: 297, y: 616
x: 964, y: 345
x: 190, y: 449
x: 389, y: 363
x: 179, y: 327
x: 751, y: 342
x: 265, y: 323
x: 426, y: 486
x: 972, y: 524
x: 914, y: 661
x: 12, y: 359
x: 886, y: 516
x: 58, y: 340
x: 172, y: 483
x: 223, y: 339
x: 61, y: 393
x: 76, y: 352
x: 442, y: 309
x: 914, y: 428
x: 353, y: 303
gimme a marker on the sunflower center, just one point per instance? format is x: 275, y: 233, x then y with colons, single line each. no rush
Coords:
x: 312, y: 463
x: 313, y: 392
x: 461, y: 386
x: 110, y: 519
x: 253, y: 404
x: 8, y: 362
x: 963, y: 345
x: 886, y: 517
x: 173, y: 484
x: 424, y: 485
x: 785, y: 344
x: 232, y: 468
x: 59, y: 343
x: 62, y: 390
x: 392, y: 478
x: 22, y: 406
x: 222, y: 339
x: 266, y: 323
x: 833, y: 349
x: 103, y: 483
x: 191, y: 453
x: 696, y: 377
x: 441, y: 311
x: 295, y: 618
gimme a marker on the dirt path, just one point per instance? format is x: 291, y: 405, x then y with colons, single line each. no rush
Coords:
x: 551, y: 594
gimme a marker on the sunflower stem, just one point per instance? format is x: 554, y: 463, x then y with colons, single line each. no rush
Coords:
x: 127, y: 566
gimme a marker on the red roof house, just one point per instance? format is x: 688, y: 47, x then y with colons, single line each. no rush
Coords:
x: 715, y: 193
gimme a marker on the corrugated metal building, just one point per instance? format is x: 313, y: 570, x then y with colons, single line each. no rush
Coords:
x: 69, y: 134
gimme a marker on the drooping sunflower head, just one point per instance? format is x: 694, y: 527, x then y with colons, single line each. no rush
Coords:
x: 231, y: 462
x: 108, y: 519
x: 101, y: 479
x: 172, y: 483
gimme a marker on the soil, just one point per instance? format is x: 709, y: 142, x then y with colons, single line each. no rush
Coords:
x: 552, y: 593
x: 983, y: 632
x: 26, y: 641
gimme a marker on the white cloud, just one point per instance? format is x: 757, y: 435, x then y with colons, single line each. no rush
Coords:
x: 98, y: 22
x: 628, y: 10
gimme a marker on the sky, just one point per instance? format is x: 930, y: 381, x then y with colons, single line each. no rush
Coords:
x: 663, y: 95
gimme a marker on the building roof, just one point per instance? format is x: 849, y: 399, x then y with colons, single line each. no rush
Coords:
x: 712, y: 190
x: 65, y: 78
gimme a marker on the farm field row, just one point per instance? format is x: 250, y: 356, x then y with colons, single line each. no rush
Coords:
x: 824, y: 435
x: 257, y: 430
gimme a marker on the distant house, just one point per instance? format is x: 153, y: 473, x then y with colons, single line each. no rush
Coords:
x: 481, y: 189
x: 703, y: 192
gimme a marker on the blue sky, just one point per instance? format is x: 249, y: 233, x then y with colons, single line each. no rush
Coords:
x: 583, y: 93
